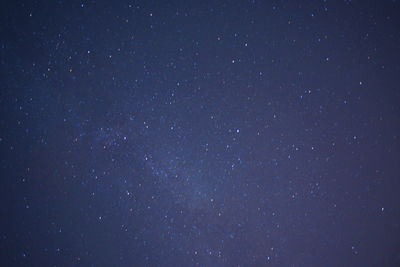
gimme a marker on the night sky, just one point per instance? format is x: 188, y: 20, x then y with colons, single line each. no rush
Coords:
x: 200, y: 133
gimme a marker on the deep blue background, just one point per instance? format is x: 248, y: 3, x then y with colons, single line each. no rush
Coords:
x: 209, y: 133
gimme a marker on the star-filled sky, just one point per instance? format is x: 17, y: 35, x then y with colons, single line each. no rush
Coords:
x: 200, y: 133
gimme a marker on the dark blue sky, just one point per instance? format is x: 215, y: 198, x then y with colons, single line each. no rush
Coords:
x: 200, y: 133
